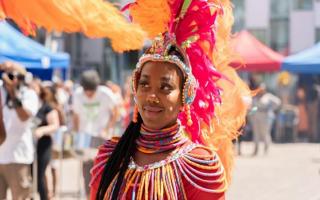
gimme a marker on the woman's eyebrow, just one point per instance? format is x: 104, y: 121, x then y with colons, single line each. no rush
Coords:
x: 166, y: 78
x: 145, y: 76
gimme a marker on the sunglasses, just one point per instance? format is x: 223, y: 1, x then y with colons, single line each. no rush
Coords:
x: 14, y: 75
x: 11, y: 76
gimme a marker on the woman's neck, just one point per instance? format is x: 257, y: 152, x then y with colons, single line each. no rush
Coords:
x: 153, y: 141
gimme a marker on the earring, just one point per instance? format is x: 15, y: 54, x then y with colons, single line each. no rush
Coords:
x: 189, y: 120
x: 135, y: 113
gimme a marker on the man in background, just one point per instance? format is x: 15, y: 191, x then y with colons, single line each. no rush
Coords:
x: 93, y: 116
x: 264, y: 104
x: 20, y: 104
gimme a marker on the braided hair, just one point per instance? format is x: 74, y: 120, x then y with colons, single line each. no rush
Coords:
x: 119, y: 160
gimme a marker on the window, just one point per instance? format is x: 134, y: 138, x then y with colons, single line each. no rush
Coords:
x: 318, y: 34
x: 279, y: 36
x: 279, y: 25
x: 238, y: 12
x: 260, y: 34
x: 279, y: 9
x: 302, y: 4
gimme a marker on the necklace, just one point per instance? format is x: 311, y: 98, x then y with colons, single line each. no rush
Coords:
x: 157, y: 141
x: 168, y: 178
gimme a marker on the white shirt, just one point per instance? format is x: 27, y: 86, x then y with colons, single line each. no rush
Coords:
x: 266, y: 105
x: 94, y: 113
x: 18, y: 146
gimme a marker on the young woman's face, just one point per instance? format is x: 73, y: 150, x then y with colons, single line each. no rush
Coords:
x: 159, y: 94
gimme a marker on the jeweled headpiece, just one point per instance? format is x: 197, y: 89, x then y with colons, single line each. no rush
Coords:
x: 160, y: 51
x: 189, y: 28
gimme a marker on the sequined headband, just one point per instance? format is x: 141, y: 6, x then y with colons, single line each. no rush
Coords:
x: 158, y: 52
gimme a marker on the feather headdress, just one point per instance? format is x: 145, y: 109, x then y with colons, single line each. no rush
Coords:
x: 201, y: 28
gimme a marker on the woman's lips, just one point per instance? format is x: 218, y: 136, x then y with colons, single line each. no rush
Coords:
x: 152, y: 111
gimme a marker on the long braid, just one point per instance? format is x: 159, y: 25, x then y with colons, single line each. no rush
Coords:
x: 131, y: 149
x: 119, y: 160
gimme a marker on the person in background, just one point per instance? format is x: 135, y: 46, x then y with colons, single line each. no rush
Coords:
x: 264, y: 105
x: 303, y: 124
x: 63, y: 96
x: 309, y: 82
x: 20, y: 104
x: 93, y: 116
x: 67, y: 106
x: 48, y: 119
x: 120, y: 111
x: 128, y: 102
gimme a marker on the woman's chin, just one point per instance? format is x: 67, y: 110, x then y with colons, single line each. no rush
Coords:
x: 153, y: 122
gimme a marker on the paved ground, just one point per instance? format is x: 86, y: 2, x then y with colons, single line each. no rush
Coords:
x: 288, y: 172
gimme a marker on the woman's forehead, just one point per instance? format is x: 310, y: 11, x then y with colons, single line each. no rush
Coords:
x: 159, y: 69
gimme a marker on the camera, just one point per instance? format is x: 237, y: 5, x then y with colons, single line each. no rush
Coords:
x: 14, y: 75
x: 12, y: 71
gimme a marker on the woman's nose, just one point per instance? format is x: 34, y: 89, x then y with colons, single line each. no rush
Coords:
x: 152, y: 98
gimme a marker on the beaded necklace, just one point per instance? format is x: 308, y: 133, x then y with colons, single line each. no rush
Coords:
x: 167, y: 178
x: 156, y: 141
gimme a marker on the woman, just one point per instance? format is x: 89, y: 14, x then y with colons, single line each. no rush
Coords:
x: 303, y: 125
x: 174, y: 86
x: 48, y: 117
x: 159, y: 100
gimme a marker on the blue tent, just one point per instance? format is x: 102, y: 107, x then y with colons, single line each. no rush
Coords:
x: 305, y: 62
x: 35, y: 57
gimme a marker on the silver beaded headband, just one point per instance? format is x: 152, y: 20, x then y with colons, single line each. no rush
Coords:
x: 159, y: 53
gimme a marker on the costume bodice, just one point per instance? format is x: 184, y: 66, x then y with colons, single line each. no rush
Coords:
x: 190, y: 172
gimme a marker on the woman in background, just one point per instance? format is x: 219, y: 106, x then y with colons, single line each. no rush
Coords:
x: 48, y: 124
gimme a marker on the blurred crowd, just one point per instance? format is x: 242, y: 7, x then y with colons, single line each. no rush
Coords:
x: 41, y: 119
x: 287, y: 113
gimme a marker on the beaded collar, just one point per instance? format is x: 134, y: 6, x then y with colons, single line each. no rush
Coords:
x: 157, y: 141
x: 168, y: 178
x: 174, y: 156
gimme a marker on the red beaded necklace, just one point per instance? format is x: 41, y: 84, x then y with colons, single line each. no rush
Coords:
x: 157, y: 141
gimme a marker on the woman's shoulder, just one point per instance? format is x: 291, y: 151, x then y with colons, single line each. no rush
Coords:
x: 202, y: 150
x: 105, y: 150
x: 203, y: 173
x: 108, y: 146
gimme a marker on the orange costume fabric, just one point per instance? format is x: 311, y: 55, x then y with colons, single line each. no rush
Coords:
x: 178, y: 177
x: 94, y: 18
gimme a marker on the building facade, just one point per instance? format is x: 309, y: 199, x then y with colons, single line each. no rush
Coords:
x: 97, y: 54
x: 287, y: 26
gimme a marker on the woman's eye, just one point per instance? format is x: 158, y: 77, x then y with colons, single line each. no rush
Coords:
x: 143, y: 84
x: 166, y: 87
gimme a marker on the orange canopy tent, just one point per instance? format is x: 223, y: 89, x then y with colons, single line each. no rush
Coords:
x: 252, y: 55
x: 95, y: 18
